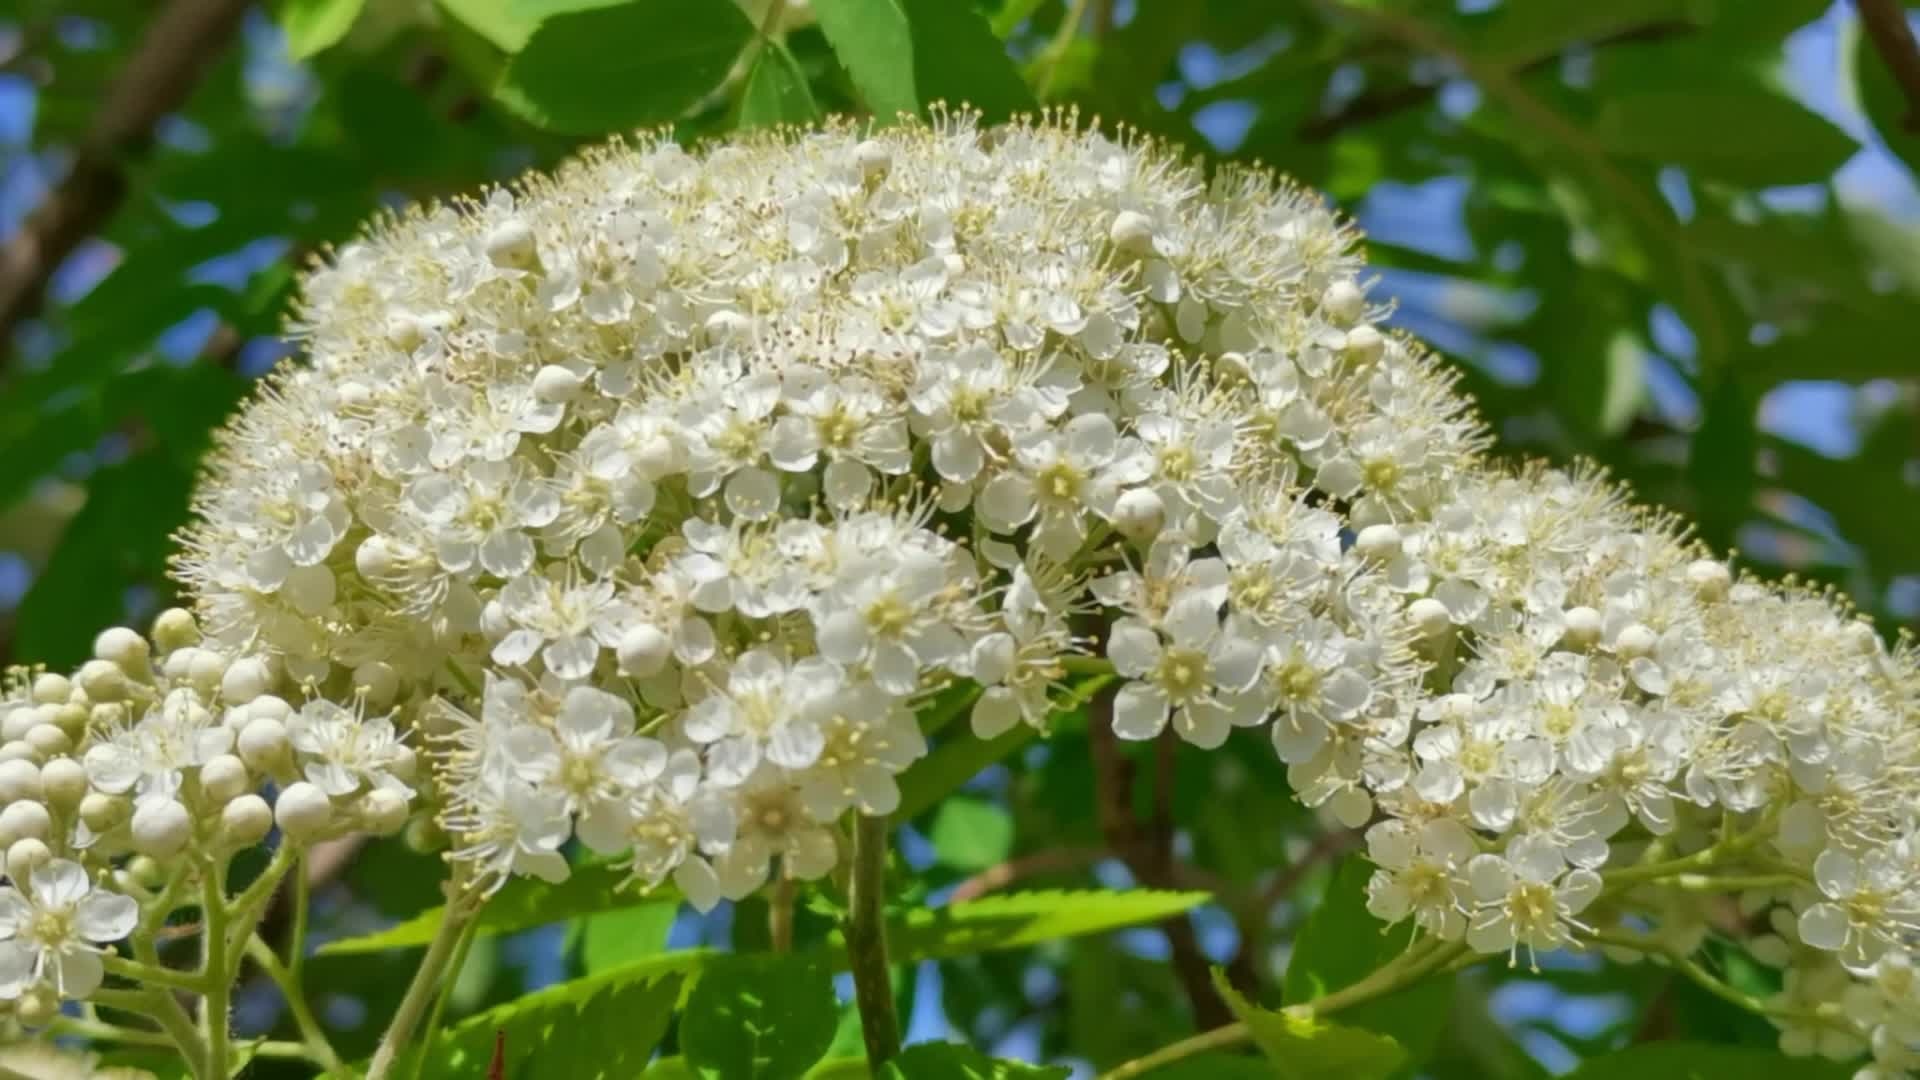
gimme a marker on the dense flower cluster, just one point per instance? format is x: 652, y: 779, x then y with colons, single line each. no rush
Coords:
x: 147, y: 770
x: 660, y: 492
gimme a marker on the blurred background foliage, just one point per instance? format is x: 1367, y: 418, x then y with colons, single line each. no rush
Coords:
x: 1680, y: 238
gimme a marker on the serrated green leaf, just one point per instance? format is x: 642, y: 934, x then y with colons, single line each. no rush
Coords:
x: 776, y: 91
x: 612, y: 68
x: 1300, y: 1046
x: 971, y: 834
x: 904, y: 55
x: 767, y: 1017
x: 313, y: 26
x: 1014, y: 920
x: 1343, y: 943
x: 613, y: 939
x: 954, y: 1061
x: 1753, y: 135
x: 521, y: 904
x: 601, y: 1027
x: 1705, y: 1061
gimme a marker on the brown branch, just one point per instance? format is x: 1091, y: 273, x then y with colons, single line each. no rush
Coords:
x: 1327, y: 845
x: 169, y: 61
x: 1892, y: 37
x: 1148, y: 855
x: 1001, y: 875
x: 1374, y: 106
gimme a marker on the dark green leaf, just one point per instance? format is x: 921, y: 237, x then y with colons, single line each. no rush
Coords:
x: 904, y: 55
x: 1755, y: 136
x: 1013, y: 920
x: 759, y: 1018
x: 953, y: 1061
x: 1300, y: 1046
x: 521, y: 904
x: 958, y: 760
x: 776, y: 91
x: 1897, y: 120
x: 612, y: 68
x: 1720, y: 465
x: 601, y: 1027
x: 312, y: 26
x: 1705, y: 1061
x: 971, y: 834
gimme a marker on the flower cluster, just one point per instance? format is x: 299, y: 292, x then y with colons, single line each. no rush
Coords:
x: 660, y: 492
x: 142, y: 774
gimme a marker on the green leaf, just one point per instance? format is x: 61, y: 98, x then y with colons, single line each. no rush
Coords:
x: 958, y: 760
x: 1014, y: 920
x: 953, y: 1061
x: 1753, y: 135
x: 904, y: 55
x: 1884, y: 102
x: 313, y: 26
x: 614, y: 939
x: 612, y: 68
x: 1300, y: 1046
x: 521, y: 904
x: 1704, y: 1061
x: 1008, y: 18
x: 1343, y: 943
x: 971, y: 834
x: 767, y: 1017
x: 601, y: 1027
x: 1720, y: 462
x: 776, y: 91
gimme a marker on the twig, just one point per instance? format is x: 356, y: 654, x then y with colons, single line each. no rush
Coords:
x: 165, y: 67
x: 866, y: 936
x: 1056, y: 861
x: 1150, y: 860
x: 1327, y: 845
x: 1892, y: 37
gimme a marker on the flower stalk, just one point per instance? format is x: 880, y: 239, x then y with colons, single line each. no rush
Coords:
x: 867, y: 941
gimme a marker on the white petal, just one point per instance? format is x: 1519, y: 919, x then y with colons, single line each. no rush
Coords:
x: 1824, y: 926
x: 104, y: 917
x: 1139, y: 711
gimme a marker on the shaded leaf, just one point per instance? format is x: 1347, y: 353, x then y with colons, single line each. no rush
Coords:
x: 601, y: 1027
x: 1754, y: 136
x: 521, y: 904
x: 1300, y: 1046
x: 766, y: 1017
x: 1705, y: 1061
x: 971, y: 834
x: 776, y: 90
x: 953, y: 1061
x: 312, y: 26
x: 904, y: 55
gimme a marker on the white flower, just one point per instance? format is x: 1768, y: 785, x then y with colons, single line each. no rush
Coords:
x: 566, y: 623
x: 1527, y: 899
x: 1422, y: 874
x: 769, y: 710
x: 1198, y: 674
x: 1870, y: 904
x: 344, y: 751
x: 53, y: 932
x: 592, y: 760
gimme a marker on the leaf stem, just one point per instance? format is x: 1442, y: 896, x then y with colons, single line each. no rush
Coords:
x: 288, y: 980
x: 214, y: 974
x: 1219, y: 1038
x: 1057, y: 48
x: 447, y: 985
x: 420, y: 993
x: 867, y: 941
x: 780, y: 913
x: 160, y: 1006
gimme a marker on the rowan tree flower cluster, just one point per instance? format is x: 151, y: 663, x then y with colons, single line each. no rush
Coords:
x: 647, y: 502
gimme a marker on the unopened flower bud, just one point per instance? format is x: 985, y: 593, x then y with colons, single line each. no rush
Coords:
x: 303, y: 811
x: 377, y: 682
x: 375, y: 559
x: 643, y: 650
x: 874, y: 159
x: 728, y: 325
x: 425, y: 836
x: 1635, y: 639
x: 1710, y: 578
x: 511, y: 246
x: 1139, y: 514
x: 383, y: 811
x: 37, y: 1006
x: 51, y: 689
x: 245, y: 679
x: 26, y: 817
x: 268, y: 707
x: 246, y: 821
x: 103, y: 812
x: 1582, y: 628
x: 15, y: 723
x: 18, y: 750
x: 161, y: 828
x: 1381, y: 543
x: 102, y: 680
x: 1430, y: 617
x: 224, y: 778
x: 1132, y: 232
x: 19, y: 780
x: 1343, y: 302
x: 403, y: 763
x: 63, y: 783
x: 207, y: 669
x: 555, y: 384
x: 72, y: 719
x: 264, y: 746
x: 48, y: 740
x: 26, y: 856
x: 175, y: 628
x: 122, y: 647
x: 1365, y: 345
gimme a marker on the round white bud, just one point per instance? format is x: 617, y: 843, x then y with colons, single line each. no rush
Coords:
x: 643, y: 650
x: 874, y: 159
x: 246, y: 820
x: 263, y: 744
x: 48, y: 740
x: 161, y: 828
x: 17, y: 722
x: 403, y: 763
x: 72, y: 718
x: 1710, y: 578
x: 1365, y: 345
x: 63, y: 783
x: 1380, y: 543
x: 121, y: 646
x: 1132, y: 232
x: 376, y: 681
x: 657, y: 456
x: 511, y: 245
x: 19, y: 780
x: 1865, y: 640
x: 1343, y: 302
x: 383, y: 811
x: 728, y: 325
x: 245, y: 679
x: 375, y: 559
x: 556, y: 385
x: 26, y: 856
x: 1430, y: 617
x: 51, y: 689
x: 224, y: 778
x: 207, y: 669
x: 38, y: 1005
x: 1635, y: 639
x: 494, y: 620
x: 1139, y: 514
x: 266, y: 707
x: 27, y: 817
x: 103, y: 812
x: 303, y: 811
x: 18, y: 750
x: 179, y: 663
x: 175, y: 628
x: 102, y: 680
x: 1583, y: 628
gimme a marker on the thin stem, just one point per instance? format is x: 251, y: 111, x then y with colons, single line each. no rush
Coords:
x: 289, y: 983
x: 1057, y: 48
x: 1219, y: 1038
x: 780, y: 913
x: 160, y: 1006
x: 420, y: 993
x: 101, y: 1030
x: 297, y: 933
x: 867, y: 942
x: 214, y: 916
x: 153, y: 974
x: 457, y: 965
